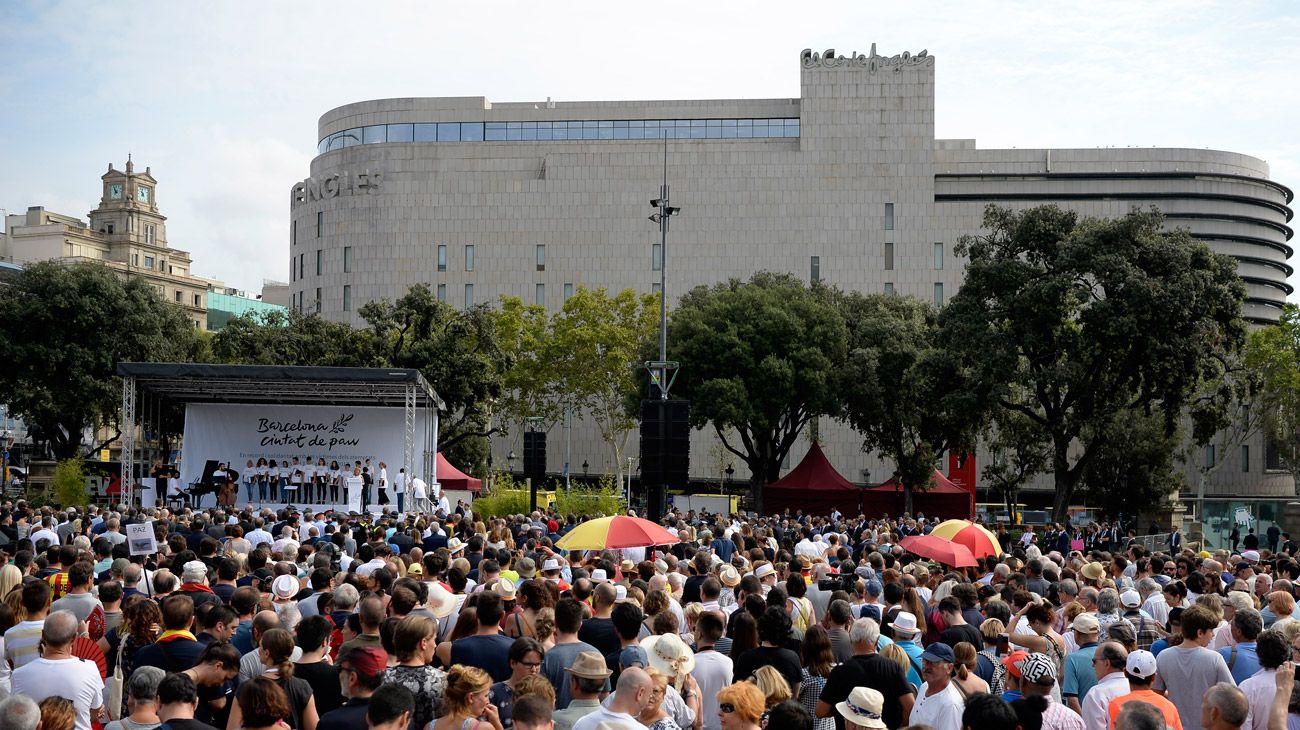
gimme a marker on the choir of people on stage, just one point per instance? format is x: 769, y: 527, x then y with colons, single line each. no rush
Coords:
x: 301, y: 480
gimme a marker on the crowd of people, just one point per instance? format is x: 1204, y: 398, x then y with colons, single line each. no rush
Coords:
x: 410, y: 621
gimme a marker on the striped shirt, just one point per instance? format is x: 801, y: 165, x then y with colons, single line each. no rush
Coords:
x: 22, y: 642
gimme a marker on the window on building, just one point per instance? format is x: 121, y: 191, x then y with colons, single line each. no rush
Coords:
x: 150, y: 232
x: 889, y: 216
x: 317, y: 300
x: 1209, y: 456
x: 568, y: 291
x: 655, y: 288
x: 109, y: 229
x: 889, y: 287
x: 541, y: 257
x: 938, y: 256
x: 539, y: 293
x: 442, y: 257
x: 198, y: 300
x: 442, y: 292
x: 293, y: 233
x: 347, y: 297
x: 469, y: 295
x: 1245, y: 457
x: 347, y: 259
x: 1273, y: 458
x: 889, y: 257
x: 178, y: 296
x: 135, y: 259
x: 320, y: 223
x: 938, y: 293
x: 148, y: 262
x: 319, y: 261
x: 656, y: 257
x: 469, y: 257
x: 815, y: 269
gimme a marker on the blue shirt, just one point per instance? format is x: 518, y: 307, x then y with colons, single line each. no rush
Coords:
x: 1079, y: 676
x: 1246, y: 663
x: 1159, y: 646
x: 914, y: 651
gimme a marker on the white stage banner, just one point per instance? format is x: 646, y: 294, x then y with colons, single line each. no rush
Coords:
x: 237, y: 434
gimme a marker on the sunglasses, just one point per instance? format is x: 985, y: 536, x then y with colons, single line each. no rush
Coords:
x: 727, y: 707
x: 531, y: 665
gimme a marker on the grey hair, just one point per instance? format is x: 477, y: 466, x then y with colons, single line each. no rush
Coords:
x: 19, y: 712
x: 60, y: 628
x: 143, y: 685
x: 1068, y: 586
x: 1148, y: 585
x: 1139, y: 716
x: 1230, y: 702
x: 865, y: 632
x: 1249, y: 622
x: 1107, y: 601
x: 346, y: 597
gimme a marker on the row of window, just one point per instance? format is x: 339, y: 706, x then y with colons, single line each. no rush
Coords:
x: 889, y: 256
x: 1272, y: 457
x: 565, y: 130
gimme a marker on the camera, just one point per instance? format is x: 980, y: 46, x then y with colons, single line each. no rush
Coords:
x: 839, y: 582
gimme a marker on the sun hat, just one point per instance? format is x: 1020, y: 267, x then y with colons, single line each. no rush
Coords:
x: 906, y: 623
x: 550, y: 564
x: 939, y: 652
x: 589, y: 665
x: 505, y: 589
x: 455, y: 545
x: 1037, y: 668
x: 669, y: 654
x: 441, y: 602
x: 1141, y: 663
x: 864, y: 708
x: 598, y: 576
x: 194, y: 571
x: 1130, y: 599
x: 627, y: 566
x: 1012, y: 661
x: 1093, y: 571
x: 764, y: 570
x: 729, y: 576
x: 1251, y: 556
x: 1085, y: 623
x: 526, y: 568
x: 285, y: 586
x: 620, y: 593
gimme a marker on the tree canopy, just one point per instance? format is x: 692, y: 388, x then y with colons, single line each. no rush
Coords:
x: 64, y: 328
x: 1074, y: 321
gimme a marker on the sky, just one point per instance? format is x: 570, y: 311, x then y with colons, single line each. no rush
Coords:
x: 221, y: 100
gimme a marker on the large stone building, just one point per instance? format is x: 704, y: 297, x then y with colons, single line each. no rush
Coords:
x: 126, y: 233
x: 846, y: 184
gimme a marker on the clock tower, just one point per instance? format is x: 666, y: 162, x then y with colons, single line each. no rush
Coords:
x: 128, y: 208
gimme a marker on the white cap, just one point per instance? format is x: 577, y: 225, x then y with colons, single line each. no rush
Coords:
x: 550, y: 564
x: 1141, y: 664
x: 1250, y: 556
x: 1130, y: 599
x: 598, y: 575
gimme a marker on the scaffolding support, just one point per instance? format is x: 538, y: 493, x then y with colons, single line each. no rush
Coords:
x: 128, y: 440
x: 408, y: 455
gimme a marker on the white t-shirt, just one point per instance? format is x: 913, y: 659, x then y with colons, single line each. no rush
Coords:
x: 75, y: 679
x: 45, y: 533
x: 941, y: 711
x: 606, y: 719
x: 712, y: 671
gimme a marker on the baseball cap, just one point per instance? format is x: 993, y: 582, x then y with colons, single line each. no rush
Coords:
x: 1085, y: 623
x: 633, y: 655
x: 938, y: 652
x: 1141, y: 664
x: 367, y: 661
x: 874, y: 588
x: 1038, y: 668
x: 1012, y: 661
x: 1130, y: 599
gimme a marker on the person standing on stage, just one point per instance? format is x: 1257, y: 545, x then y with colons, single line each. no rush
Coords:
x: 322, y: 479
x: 295, y: 481
x: 273, y: 481
x: 308, y: 480
x: 261, y: 470
x: 383, y: 484
x: 250, y: 478
x: 335, y: 477
x: 399, y: 486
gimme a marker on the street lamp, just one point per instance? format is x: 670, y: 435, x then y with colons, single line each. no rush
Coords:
x: 585, y: 467
x: 730, y: 471
x: 663, y: 211
x: 510, y: 461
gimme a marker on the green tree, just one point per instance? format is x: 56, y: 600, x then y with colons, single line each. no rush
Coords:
x: 759, y: 357
x: 909, y: 397
x: 69, y: 485
x: 1018, y: 451
x: 63, y: 329
x: 1272, y: 356
x: 595, y: 344
x: 292, y: 338
x: 1132, y: 471
x: 459, y: 353
x: 1078, y: 320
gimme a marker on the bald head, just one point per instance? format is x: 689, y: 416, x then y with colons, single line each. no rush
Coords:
x: 631, y: 681
x: 265, y: 621
x: 60, y: 629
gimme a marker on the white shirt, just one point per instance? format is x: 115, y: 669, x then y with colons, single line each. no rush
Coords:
x: 712, y: 671
x: 1259, y: 689
x: 74, y: 679
x: 809, y: 549
x: 45, y: 533
x: 607, y: 719
x: 1096, y: 704
x: 258, y: 537
x: 941, y: 710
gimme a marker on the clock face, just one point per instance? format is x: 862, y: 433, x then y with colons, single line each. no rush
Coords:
x: 142, y: 193
x: 115, y: 191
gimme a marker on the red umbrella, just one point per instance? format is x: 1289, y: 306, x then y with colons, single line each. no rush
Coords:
x: 940, y: 549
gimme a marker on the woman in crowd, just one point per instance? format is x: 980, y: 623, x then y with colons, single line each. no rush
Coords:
x: 415, y: 638
x: 774, y: 687
x: 275, y: 651
x: 466, y: 702
x: 964, y: 676
x: 525, y: 662
x: 57, y: 713
x: 262, y: 704
x: 818, y: 659
x: 141, y: 622
x: 740, y: 707
x: 654, y: 716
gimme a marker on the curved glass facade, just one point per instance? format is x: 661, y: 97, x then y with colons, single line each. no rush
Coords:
x: 562, y: 130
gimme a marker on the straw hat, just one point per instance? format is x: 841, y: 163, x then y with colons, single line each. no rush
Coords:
x: 505, y: 589
x: 589, y: 665
x: 1093, y: 571
x: 669, y: 654
x: 455, y: 545
x: 905, y: 623
x: 729, y: 576
x: 863, y: 708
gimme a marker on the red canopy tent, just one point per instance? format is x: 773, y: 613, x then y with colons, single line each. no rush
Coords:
x: 814, y: 487
x: 452, y: 478
x: 943, y: 499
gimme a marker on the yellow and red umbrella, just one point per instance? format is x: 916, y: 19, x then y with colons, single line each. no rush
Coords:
x: 939, y: 549
x: 615, y: 532
x: 979, y: 540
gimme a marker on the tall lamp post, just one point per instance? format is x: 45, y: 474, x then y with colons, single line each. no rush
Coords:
x: 663, y: 211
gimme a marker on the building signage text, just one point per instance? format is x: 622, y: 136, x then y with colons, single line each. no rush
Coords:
x: 869, y: 61
x: 332, y: 186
